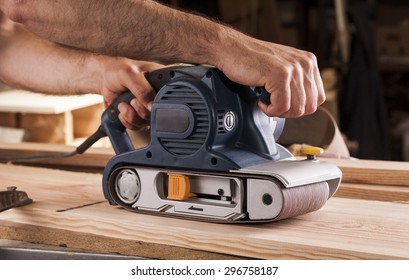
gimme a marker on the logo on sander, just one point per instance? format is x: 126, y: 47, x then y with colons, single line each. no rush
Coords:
x: 229, y: 121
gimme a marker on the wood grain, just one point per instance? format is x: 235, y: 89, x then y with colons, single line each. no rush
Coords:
x: 93, y: 160
x: 376, y: 172
x: 21, y: 101
x: 8, y: 119
x: 45, y: 128
x: 70, y: 204
x: 374, y: 192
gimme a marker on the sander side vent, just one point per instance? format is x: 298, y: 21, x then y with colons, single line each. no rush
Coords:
x: 189, y: 145
x: 220, y: 118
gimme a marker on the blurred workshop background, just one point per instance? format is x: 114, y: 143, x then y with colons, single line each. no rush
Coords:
x: 363, y: 54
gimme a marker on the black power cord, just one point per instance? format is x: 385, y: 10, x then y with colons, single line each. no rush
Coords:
x: 100, y: 133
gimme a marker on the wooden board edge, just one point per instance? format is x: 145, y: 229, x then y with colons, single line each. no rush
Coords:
x: 398, y: 194
x: 93, y: 160
x: 103, y: 244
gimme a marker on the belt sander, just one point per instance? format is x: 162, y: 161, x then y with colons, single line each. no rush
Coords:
x: 212, y: 155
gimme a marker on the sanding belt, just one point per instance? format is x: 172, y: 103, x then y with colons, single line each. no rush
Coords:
x: 296, y: 201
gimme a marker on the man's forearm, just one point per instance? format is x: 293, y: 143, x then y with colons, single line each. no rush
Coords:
x: 135, y: 28
x: 145, y: 29
x: 35, y: 64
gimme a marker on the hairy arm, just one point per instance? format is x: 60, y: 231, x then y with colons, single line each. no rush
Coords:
x: 30, y: 62
x: 145, y: 29
x: 134, y: 28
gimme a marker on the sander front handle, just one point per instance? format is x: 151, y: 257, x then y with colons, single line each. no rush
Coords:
x: 113, y: 127
x: 262, y: 94
x: 110, y: 123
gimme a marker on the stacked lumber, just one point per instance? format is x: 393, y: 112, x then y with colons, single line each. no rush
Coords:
x: 50, y: 118
x: 374, y: 180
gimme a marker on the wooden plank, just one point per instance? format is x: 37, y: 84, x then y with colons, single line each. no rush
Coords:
x: 8, y: 119
x: 374, y: 192
x: 87, y: 120
x: 375, y: 172
x: 50, y: 118
x: 45, y: 128
x: 71, y: 204
x: 74, y: 240
x: 94, y: 159
x: 20, y: 101
x: 11, y: 135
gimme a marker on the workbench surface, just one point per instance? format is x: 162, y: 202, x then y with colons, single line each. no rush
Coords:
x: 69, y: 210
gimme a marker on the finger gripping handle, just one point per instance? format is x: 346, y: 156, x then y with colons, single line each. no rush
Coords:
x: 113, y: 127
x: 111, y: 124
x: 262, y: 94
x: 113, y: 110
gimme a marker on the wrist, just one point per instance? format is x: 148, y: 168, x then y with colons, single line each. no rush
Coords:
x: 221, y: 46
x: 230, y: 47
x: 92, y: 73
x: 203, y: 41
x: 234, y: 55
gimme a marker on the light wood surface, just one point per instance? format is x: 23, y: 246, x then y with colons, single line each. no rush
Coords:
x: 20, y: 101
x: 375, y: 172
x: 94, y: 160
x: 374, y: 192
x: 69, y: 209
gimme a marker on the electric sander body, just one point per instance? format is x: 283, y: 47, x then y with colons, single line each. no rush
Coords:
x: 212, y: 155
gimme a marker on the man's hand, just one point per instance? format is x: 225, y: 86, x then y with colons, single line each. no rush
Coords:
x: 290, y: 75
x: 120, y: 75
